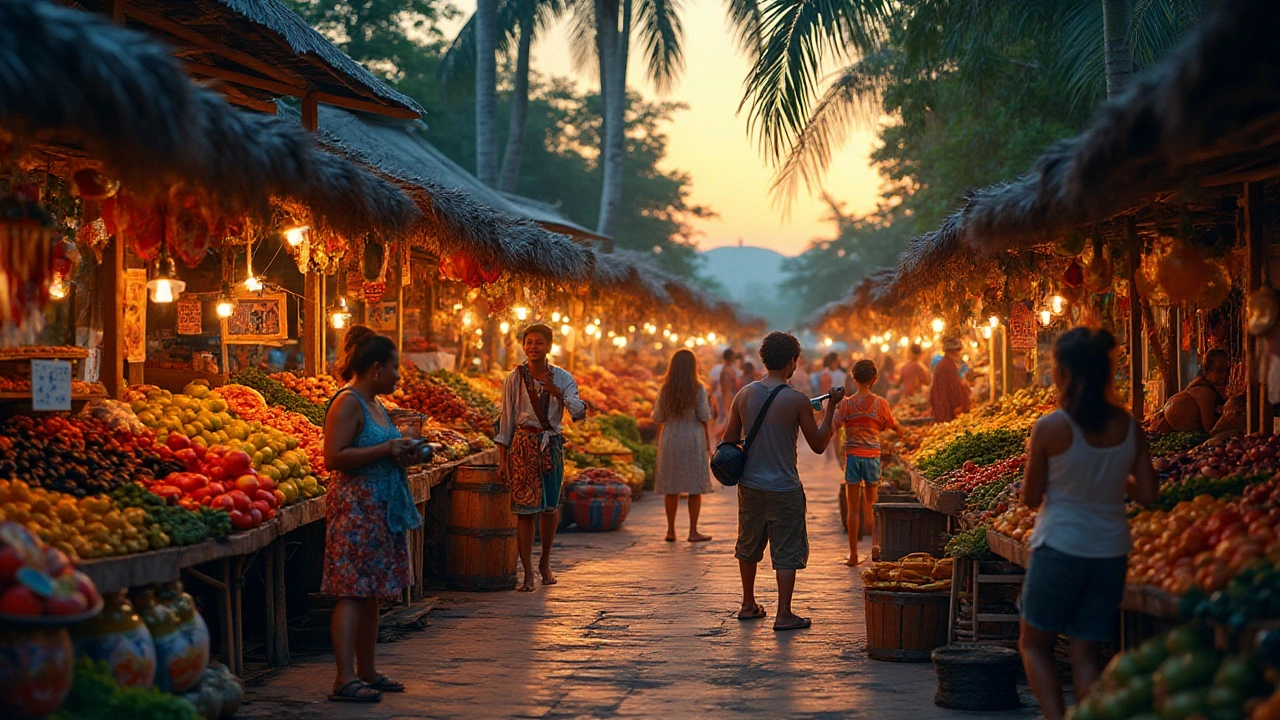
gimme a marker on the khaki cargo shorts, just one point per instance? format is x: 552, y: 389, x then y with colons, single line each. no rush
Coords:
x: 776, y: 519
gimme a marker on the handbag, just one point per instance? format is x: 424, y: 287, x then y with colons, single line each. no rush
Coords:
x: 730, y: 459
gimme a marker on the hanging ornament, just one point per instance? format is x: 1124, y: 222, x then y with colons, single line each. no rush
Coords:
x: 1073, y: 276
x: 1021, y: 288
x: 141, y: 224
x: 1098, y: 273
x: 1216, y: 288
x: 188, y: 230
x: 1071, y: 244
x: 91, y: 184
x: 1182, y: 272
x: 372, y: 260
x: 1264, y: 310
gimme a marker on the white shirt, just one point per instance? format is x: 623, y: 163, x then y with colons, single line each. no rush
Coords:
x: 518, y: 412
x: 715, y: 373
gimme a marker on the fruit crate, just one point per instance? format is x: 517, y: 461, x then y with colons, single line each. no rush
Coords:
x: 1008, y: 548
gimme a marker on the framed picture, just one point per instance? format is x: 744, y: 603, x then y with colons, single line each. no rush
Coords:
x: 259, y: 318
x: 382, y: 316
x: 190, y: 316
x: 135, y: 315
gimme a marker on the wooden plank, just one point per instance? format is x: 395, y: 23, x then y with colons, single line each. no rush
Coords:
x: 1136, y: 365
x: 1256, y: 244
x: 1008, y: 548
x: 312, y: 330
x: 252, y: 81
x: 111, y: 287
x: 1008, y: 579
x: 999, y: 617
x: 366, y: 106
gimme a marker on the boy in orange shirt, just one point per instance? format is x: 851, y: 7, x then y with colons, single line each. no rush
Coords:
x: 863, y: 415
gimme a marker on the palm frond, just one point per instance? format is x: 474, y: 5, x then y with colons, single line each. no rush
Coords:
x: 799, y: 36
x: 662, y: 35
x: 582, y: 37
x: 1081, y: 62
x: 744, y: 21
x: 457, y: 68
x: 852, y: 100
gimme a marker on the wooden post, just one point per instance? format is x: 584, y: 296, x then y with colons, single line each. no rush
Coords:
x: 111, y: 286
x: 312, y: 325
x: 1136, y: 374
x: 310, y: 112
x: 1258, y: 410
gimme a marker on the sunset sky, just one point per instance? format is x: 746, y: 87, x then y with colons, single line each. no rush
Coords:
x: 709, y: 140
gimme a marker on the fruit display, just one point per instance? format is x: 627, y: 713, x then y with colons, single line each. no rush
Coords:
x: 421, y: 392
x: 248, y: 404
x: 972, y: 449
x: 1246, y: 455
x: 169, y: 523
x: 479, y: 401
x: 318, y: 390
x: 1175, y: 676
x: 38, y: 580
x: 198, y: 413
x: 1015, y: 412
x: 1252, y: 595
x: 917, y: 572
x: 628, y: 390
x: 1175, y: 442
x: 277, y: 394
x: 85, y: 527
x: 454, y: 445
x: 78, y: 456
x: 970, y: 476
x: 971, y: 543
x: 1017, y: 522
x: 22, y: 386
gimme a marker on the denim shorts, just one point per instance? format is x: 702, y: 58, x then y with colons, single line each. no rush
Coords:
x: 862, y: 470
x: 1075, y: 596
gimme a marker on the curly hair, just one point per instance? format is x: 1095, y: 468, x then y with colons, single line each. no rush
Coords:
x: 362, y: 348
x: 778, y: 349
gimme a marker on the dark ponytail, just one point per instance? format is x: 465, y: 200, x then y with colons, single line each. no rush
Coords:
x: 362, y: 348
x: 1083, y: 355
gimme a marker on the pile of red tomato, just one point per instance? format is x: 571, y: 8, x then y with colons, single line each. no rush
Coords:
x: 970, y: 477
x: 221, y: 479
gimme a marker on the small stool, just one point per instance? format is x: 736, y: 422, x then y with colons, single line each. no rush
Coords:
x: 977, y: 677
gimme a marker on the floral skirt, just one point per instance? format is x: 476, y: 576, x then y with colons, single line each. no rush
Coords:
x: 362, y: 557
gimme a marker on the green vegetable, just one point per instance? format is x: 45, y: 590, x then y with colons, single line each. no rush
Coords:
x: 971, y: 543
x: 95, y: 695
x: 182, y: 526
x: 985, y: 497
x: 276, y: 393
x: 1176, y: 442
x: 1230, y: 486
x: 469, y: 395
x: 982, y: 448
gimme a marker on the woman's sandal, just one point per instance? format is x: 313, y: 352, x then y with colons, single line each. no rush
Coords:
x: 386, y: 684
x: 755, y: 614
x: 799, y: 623
x: 356, y: 691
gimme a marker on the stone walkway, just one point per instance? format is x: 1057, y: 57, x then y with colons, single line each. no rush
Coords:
x: 640, y: 628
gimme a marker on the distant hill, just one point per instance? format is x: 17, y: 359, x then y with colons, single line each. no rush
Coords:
x: 750, y: 276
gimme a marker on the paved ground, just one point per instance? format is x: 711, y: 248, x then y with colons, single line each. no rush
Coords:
x: 640, y: 628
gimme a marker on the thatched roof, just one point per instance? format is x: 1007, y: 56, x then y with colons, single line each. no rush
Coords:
x: 73, y: 79
x: 1209, y: 114
x: 456, y: 216
x: 548, y: 216
x: 268, y: 44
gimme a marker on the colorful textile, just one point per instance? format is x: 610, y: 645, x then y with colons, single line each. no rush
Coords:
x: 863, y: 418
x: 526, y: 464
x: 948, y: 392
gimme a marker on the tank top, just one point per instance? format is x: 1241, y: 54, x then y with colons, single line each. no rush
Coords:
x: 771, y: 460
x: 1083, y: 512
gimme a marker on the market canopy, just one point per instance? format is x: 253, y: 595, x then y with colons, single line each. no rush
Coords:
x: 265, y: 50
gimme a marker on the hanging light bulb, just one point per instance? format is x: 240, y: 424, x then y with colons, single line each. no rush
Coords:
x: 226, y: 306
x: 993, y: 321
x: 884, y: 348
x: 986, y: 333
x: 688, y: 342
x: 827, y: 342
x: 340, y: 313
x: 566, y: 330
x: 522, y: 313
x: 904, y: 341
x: 711, y: 337
x: 58, y: 288
x: 164, y: 285
x: 1057, y: 304
x: 505, y: 327
x: 938, y: 325
x: 555, y: 349
x: 253, y: 283
x: 621, y: 341
x: 555, y: 316
x: 297, y: 235
x: 1046, y: 318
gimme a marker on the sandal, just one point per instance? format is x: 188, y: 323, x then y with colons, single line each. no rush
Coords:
x: 386, y: 685
x: 755, y: 614
x: 356, y: 691
x: 799, y: 624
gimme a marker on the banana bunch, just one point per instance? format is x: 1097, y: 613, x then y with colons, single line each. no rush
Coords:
x: 917, y: 572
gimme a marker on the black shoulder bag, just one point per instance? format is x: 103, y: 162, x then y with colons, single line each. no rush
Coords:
x: 730, y: 459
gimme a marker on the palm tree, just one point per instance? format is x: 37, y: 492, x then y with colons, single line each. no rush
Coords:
x: 799, y: 126
x: 486, y: 43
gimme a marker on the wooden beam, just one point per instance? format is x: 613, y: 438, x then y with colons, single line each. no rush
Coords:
x: 111, y: 287
x: 366, y: 106
x: 310, y: 112
x: 1136, y: 364
x: 244, y: 101
x: 1256, y: 245
x: 195, y: 38
x: 313, y: 361
x: 114, y: 9
x: 252, y: 81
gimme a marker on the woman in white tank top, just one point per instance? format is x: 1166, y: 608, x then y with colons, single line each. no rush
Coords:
x: 1084, y: 459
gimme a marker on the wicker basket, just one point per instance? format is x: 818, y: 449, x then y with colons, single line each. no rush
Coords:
x: 977, y: 677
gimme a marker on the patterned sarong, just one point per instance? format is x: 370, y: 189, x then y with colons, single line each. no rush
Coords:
x: 526, y: 463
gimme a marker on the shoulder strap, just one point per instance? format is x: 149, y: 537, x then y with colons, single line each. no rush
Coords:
x: 755, y: 427
x: 527, y: 378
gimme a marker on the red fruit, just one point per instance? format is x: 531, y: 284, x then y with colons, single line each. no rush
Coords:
x: 9, y: 564
x: 169, y: 493
x: 256, y: 514
x: 237, y: 463
x: 266, y: 483
x: 20, y: 601
x: 223, y: 502
x: 188, y: 482
x: 240, y: 500
x: 201, y: 495
x: 188, y: 457
x: 85, y: 587
x: 261, y: 507
x: 177, y: 441
x: 266, y: 496
x: 248, y: 484
x: 240, y: 520
x: 217, y: 488
x: 201, y: 451
x: 218, y: 473
x: 279, y: 496
x: 68, y: 604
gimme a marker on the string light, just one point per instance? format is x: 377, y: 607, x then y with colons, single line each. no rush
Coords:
x: 505, y: 327
x: 555, y: 349
x: 566, y: 330
x: 904, y: 341
x: 466, y: 319
x: 986, y: 333
x: 297, y: 235
x: 631, y: 328
x: 993, y: 321
x: 711, y: 337
x: 555, y: 316
x: 938, y: 325
x: 827, y: 342
x: 522, y: 313
x: 884, y: 348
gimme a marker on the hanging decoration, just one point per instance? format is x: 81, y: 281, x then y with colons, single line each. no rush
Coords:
x: 188, y: 227
x: 463, y: 268
x: 1098, y: 274
x: 1073, y: 276
x: 92, y: 184
x: 1182, y: 272
x: 1216, y: 287
x: 27, y: 232
x: 1071, y: 244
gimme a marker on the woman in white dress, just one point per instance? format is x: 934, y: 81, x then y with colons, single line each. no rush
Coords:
x: 683, y: 411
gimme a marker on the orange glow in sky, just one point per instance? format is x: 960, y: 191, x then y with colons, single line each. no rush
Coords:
x: 709, y: 140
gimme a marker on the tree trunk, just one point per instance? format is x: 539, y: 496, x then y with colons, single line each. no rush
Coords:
x: 519, y: 105
x: 487, y: 91
x: 1116, y: 16
x: 615, y: 118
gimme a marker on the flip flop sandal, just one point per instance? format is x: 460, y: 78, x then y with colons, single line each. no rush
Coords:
x: 804, y: 623
x: 356, y: 691
x: 755, y: 614
x: 386, y: 684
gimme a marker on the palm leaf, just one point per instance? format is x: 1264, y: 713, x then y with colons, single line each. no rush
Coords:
x: 744, y: 20
x: 661, y: 35
x: 582, y: 37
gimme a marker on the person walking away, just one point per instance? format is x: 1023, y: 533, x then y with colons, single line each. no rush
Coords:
x: 801, y: 379
x: 771, y: 501
x: 726, y: 359
x: 683, y: 413
x: 1083, y: 459
x: 886, y: 376
x: 914, y: 376
x: 832, y: 376
x: 748, y: 374
x: 863, y: 416
x: 948, y: 396
x: 535, y: 397
x: 369, y: 511
x: 727, y: 386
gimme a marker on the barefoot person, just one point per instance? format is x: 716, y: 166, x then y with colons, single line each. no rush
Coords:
x: 1199, y: 407
x: 683, y: 413
x: 535, y: 397
x: 1084, y: 459
x: 771, y: 502
x: 369, y: 512
x: 863, y: 416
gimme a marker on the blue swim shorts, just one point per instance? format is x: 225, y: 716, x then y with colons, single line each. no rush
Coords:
x: 862, y: 470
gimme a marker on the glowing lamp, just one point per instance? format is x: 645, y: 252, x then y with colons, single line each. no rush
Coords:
x: 993, y: 321
x: 522, y: 313
x: 1057, y: 304
x: 505, y: 327
x: 938, y: 325
x: 711, y: 337
x: 1046, y: 318
x: 903, y: 341
x: 226, y: 306
x: 555, y: 316
x: 58, y: 288
x: 884, y: 348
x: 986, y: 333
x: 164, y: 285
x: 827, y: 342
x: 566, y: 330
x: 253, y: 283
x: 297, y: 235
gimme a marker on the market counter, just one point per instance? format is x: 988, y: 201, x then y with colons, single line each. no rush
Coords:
x: 947, y: 502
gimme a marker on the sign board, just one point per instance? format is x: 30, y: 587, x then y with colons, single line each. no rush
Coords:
x: 50, y: 385
x: 1022, y: 328
x: 135, y: 315
x: 258, y: 318
x: 190, y: 316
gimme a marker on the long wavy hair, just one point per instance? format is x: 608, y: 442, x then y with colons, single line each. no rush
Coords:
x: 680, y: 385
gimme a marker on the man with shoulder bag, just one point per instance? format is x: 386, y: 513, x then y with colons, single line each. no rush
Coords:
x: 771, y: 501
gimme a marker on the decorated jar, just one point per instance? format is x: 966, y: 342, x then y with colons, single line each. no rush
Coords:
x: 186, y: 668
x: 170, y: 642
x: 119, y: 638
x: 37, y: 665
x: 599, y: 505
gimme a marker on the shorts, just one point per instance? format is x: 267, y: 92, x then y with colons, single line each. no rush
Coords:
x: 552, y: 484
x: 1075, y: 596
x: 776, y: 519
x: 862, y: 470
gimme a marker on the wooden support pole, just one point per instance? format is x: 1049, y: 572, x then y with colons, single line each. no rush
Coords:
x: 1258, y: 410
x: 1136, y: 364
x: 310, y: 112
x: 313, y: 360
x: 111, y: 287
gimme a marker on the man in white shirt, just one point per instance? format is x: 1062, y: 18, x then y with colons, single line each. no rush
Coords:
x: 531, y: 448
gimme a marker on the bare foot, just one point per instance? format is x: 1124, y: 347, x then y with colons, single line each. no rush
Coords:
x: 671, y: 536
x: 527, y: 585
x: 852, y: 561
x: 698, y: 537
x: 547, y: 577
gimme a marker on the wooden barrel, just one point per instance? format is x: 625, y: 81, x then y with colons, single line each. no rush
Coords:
x: 905, y: 626
x: 481, y: 544
x: 904, y: 528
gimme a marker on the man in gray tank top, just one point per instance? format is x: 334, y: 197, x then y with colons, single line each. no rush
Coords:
x: 771, y: 501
